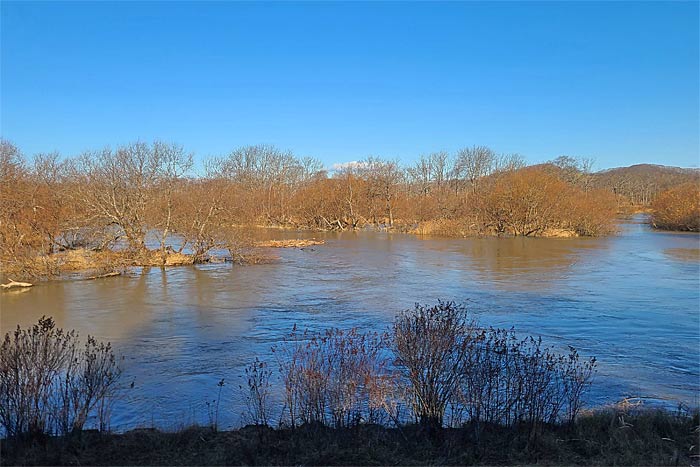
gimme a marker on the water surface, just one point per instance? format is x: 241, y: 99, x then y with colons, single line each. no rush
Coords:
x: 631, y: 300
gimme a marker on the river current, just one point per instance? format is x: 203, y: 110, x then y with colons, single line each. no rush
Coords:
x: 631, y: 300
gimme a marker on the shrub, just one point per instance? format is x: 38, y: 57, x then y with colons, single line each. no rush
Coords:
x: 50, y: 385
x: 512, y: 381
x: 444, y: 365
x: 256, y: 394
x: 430, y: 346
x: 333, y: 376
x: 532, y: 201
x: 592, y: 213
x: 678, y: 208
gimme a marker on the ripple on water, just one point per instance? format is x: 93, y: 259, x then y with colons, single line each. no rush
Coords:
x: 632, y: 301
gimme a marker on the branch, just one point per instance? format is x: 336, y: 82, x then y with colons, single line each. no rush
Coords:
x: 13, y: 283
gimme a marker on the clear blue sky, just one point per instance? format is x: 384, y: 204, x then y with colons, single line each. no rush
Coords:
x: 340, y: 81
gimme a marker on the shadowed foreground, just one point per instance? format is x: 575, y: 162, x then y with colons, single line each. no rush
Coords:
x: 601, y: 438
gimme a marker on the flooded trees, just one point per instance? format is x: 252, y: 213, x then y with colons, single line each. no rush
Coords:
x: 678, y: 208
x: 146, y: 201
x: 524, y: 202
x: 34, y: 211
x: 132, y: 188
x: 201, y: 216
x: 117, y: 187
x: 15, y: 206
x: 382, y: 185
x: 269, y: 178
x: 429, y: 181
x: 349, y: 185
x: 173, y: 165
x: 533, y: 201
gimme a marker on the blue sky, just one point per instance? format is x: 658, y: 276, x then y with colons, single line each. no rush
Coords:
x: 341, y: 81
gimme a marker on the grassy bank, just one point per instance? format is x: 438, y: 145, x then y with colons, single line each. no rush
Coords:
x: 606, y: 437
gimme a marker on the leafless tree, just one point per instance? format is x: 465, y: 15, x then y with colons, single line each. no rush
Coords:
x: 473, y: 163
x: 383, y: 179
x: 174, y: 164
x: 116, y: 187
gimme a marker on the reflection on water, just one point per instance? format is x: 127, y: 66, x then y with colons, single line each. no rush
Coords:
x: 631, y: 300
x: 684, y: 254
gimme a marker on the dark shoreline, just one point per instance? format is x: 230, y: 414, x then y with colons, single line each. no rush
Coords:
x: 607, y: 437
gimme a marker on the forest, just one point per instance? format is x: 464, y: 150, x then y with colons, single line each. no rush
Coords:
x: 150, y: 204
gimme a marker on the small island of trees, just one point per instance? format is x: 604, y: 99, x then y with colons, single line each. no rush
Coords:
x: 147, y: 204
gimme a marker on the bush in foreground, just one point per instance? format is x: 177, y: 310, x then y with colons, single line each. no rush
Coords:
x: 435, y: 367
x: 50, y: 385
x: 435, y: 389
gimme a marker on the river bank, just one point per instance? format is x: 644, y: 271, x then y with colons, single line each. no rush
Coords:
x: 613, y: 436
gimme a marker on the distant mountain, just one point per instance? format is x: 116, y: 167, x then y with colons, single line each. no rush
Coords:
x: 641, y: 169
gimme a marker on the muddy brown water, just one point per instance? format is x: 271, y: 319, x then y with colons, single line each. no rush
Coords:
x: 632, y: 301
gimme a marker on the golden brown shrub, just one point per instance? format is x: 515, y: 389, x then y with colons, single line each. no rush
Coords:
x: 532, y: 202
x: 526, y: 202
x: 592, y: 213
x: 678, y: 208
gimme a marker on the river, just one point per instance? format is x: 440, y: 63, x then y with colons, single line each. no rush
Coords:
x: 631, y: 300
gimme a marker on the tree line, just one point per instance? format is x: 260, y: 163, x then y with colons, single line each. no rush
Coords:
x: 147, y: 199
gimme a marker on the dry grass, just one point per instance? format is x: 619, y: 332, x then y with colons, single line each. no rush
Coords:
x: 467, y: 228
x: 607, y: 437
x: 294, y: 243
x: 85, y: 262
x: 90, y: 264
x: 253, y: 256
x: 157, y: 258
x: 443, y: 228
x: 558, y: 233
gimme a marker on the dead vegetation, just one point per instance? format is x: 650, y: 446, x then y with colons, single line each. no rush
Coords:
x: 434, y: 368
x: 12, y: 284
x: 293, y: 243
x: 603, y: 438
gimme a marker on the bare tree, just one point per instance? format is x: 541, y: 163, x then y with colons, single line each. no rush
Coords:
x: 575, y: 170
x: 508, y: 163
x: 174, y: 164
x: 117, y: 186
x: 383, y: 178
x: 474, y: 163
